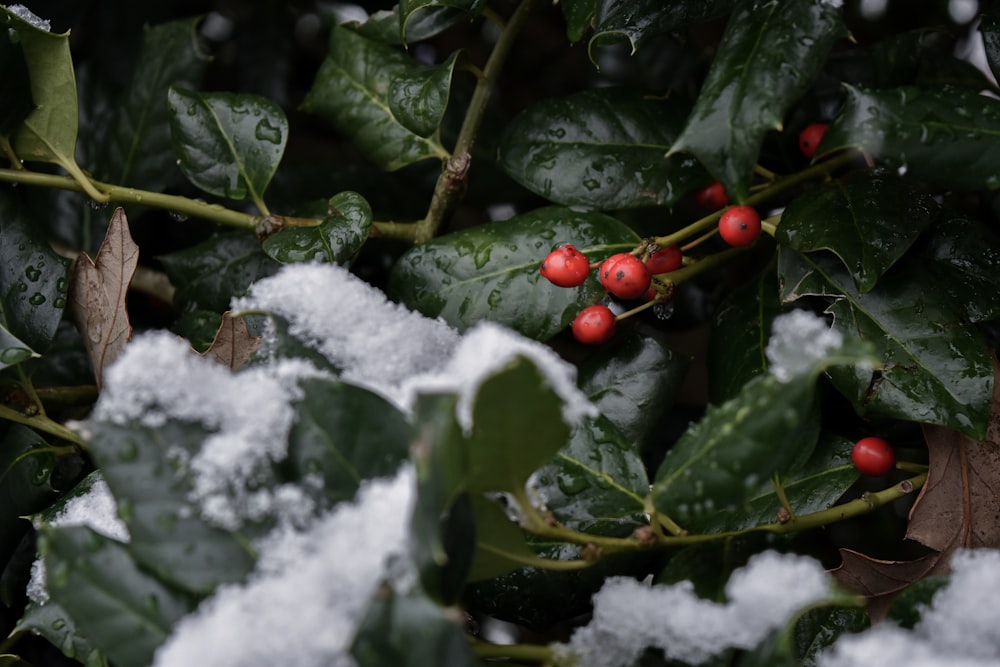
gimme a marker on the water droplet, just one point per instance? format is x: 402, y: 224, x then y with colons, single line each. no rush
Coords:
x: 32, y: 273
x: 58, y: 624
x: 22, y: 286
x: 571, y: 484
x: 179, y: 217
x: 482, y: 256
x: 558, y: 133
x: 495, y: 298
x: 14, y: 355
x: 192, y: 109
x: 60, y: 302
x: 36, y: 299
x: 591, y: 183
x: 663, y: 311
x: 267, y: 132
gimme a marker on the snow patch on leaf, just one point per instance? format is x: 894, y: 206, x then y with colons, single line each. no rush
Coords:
x: 799, y: 340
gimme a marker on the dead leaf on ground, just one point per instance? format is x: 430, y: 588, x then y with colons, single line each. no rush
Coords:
x: 233, y: 343
x: 97, y: 295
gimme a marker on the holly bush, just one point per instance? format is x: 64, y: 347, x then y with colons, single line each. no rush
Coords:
x: 204, y: 207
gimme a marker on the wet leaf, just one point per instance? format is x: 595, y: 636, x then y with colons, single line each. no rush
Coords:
x: 419, y: 97
x: 945, y: 136
x: 638, y: 21
x: 965, y: 256
x: 15, y: 87
x: 579, y: 15
x: 934, y: 367
x: 352, y: 90
x: 500, y: 543
x: 227, y: 144
x: 803, y: 639
x: 26, y: 463
x: 490, y: 272
x: 422, y: 19
x: 907, y: 607
x: 989, y: 25
x: 126, y: 612
x: 869, y: 222
x: 601, y: 149
x: 56, y: 625
x: 97, y: 295
x: 769, y: 55
x: 233, y: 344
x: 337, y: 239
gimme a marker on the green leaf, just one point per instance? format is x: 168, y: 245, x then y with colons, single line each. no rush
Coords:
x: 769, y: 55
x: 418, y: 98
x: 336, y: 240
x: 126, y: 612
x: 597, y: 483
x: 909, y: 605
x: 15, y: 86
x: 490, y: 272
x: 227, y: 144
x: 53, y: 623
x: 26, y: 463
x: 965, y: 256
x: 352, y: 93
x: 579, y: 15
x: 517, y: 427
x: 33, y: 285
x: 147, y: 469
x: 611, y: 142
x: 934, y: 367
x: 208, y: 275
x: 409, y: 630
x: 137, y: 149
x: 422, y: 19
x: 633, y: 380
x: 501, y: 547
x: 345, y: 435
x: 869, y: 222
x: 637, y: 21
x: 949, y: 137
x: 721, y: 461
x: 814, y: 629
x: 989, y: 25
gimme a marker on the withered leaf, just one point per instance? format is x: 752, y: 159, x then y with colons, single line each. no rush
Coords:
x: 880, y: 580
x: 232, y: 344
x: 97, y: 295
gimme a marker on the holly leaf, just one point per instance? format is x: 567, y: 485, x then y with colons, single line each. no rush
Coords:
x: 610, y: 141
x: 26, y: 464
x: 490, y: 272
x: 965, y: 256
x: 500, y: 544
x: 227, y: 144
x: 869, y: 222
x: 637, y: 21
x: 946, y: 136
x: 233, y: 344
x: 15, y: 87
x: 97, y: 295
x: 989, y: 25
x: 336, y: 240
x: 769, y: 55
x: 422, y: 19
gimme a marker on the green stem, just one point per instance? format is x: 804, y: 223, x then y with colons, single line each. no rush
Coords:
x: 451, y: 184
x: 399, y: 231
x: 779, y: 490
x: 523, y: 652
x: 41, y: 423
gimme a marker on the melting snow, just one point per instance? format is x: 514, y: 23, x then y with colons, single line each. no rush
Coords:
x: 798, y: 340
x: 28, y: 16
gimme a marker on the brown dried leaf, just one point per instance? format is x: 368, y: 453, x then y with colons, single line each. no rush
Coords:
x: 233, y: 343
x: 880, y: 580
x: 97, y: 295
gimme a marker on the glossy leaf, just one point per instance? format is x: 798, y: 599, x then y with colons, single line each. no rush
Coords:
x: 418, y: 98
x: 490, y: 272
x: 946, y: 136
x: 227, y: 144
x: 769, y: 55
x: 633, y: 380
x: 345, y: 435
x: 935, y: 368
x: 126, y: 612
x: 33, y: 286
x: 989, y: 25
x: 579, y: 15
x: 146, y: 470
x: 805, y: 637
x: 596, y: 483
x: 337, y: 239
x: 639, y: 21
x: 611, y: 142
x: 137, y: 149
x: 869, y: 222
x: 56, y: 625
x: 501, y: 547
x: 965, y: 256
x: 909, y: 605
x: 352, y: 93
x: 26, y: 463
x: 422, y: 19
x: 209, y: 274
x: 15, y: 86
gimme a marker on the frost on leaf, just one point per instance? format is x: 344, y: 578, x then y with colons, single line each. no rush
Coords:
x: 799, y: 340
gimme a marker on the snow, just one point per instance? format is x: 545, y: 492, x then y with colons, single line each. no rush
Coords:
x: 961, y: 628
x: 310, y: 589
x: 630, y: 616
x: 798, y: 340
x: 28, y: 16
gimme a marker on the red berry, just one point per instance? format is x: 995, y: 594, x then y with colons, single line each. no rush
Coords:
x: 873, y: 456
x: 594, y: 325
x: 625, y: 276
x: 665, y: 260
x: 712, y: 197
x: 810, y: 138
x: 566, y: 267
x: 739, y: 225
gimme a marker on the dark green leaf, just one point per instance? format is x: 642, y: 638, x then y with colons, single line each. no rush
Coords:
x: 501, y: 547
x: 227, y: 144
x: 800, y: 642
x: 596, y: 483
x: 352, y: 91
x: 966, y: 259
x: 639, y: 20
x: 769, y: 55
x: 989, y: 25
x: 741, y: 327
x: 580, y: 16
x: 422, y: 19
x: 909, y: 605
x: 137, y: 149
x: 126, y: 612
x: 895, y: 60
x: 208, y: 275
x: 707, y: 566
x: 15, y: 86
x: 337, y: 239
x: 410, y: 631
x: 148, y: 472
x: 198, y: 327
x: 611, y: 142
x: 26, y: 463
x: 33, y: 285
x: 418, y: 98
x: 633, y: 380
x: 517, y: 427
x: 869, y: 222
x: 490, y: 272
x: 935, y: 368
x: 345, y: 435
x: 52, y: 622
x: 950, y: 137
